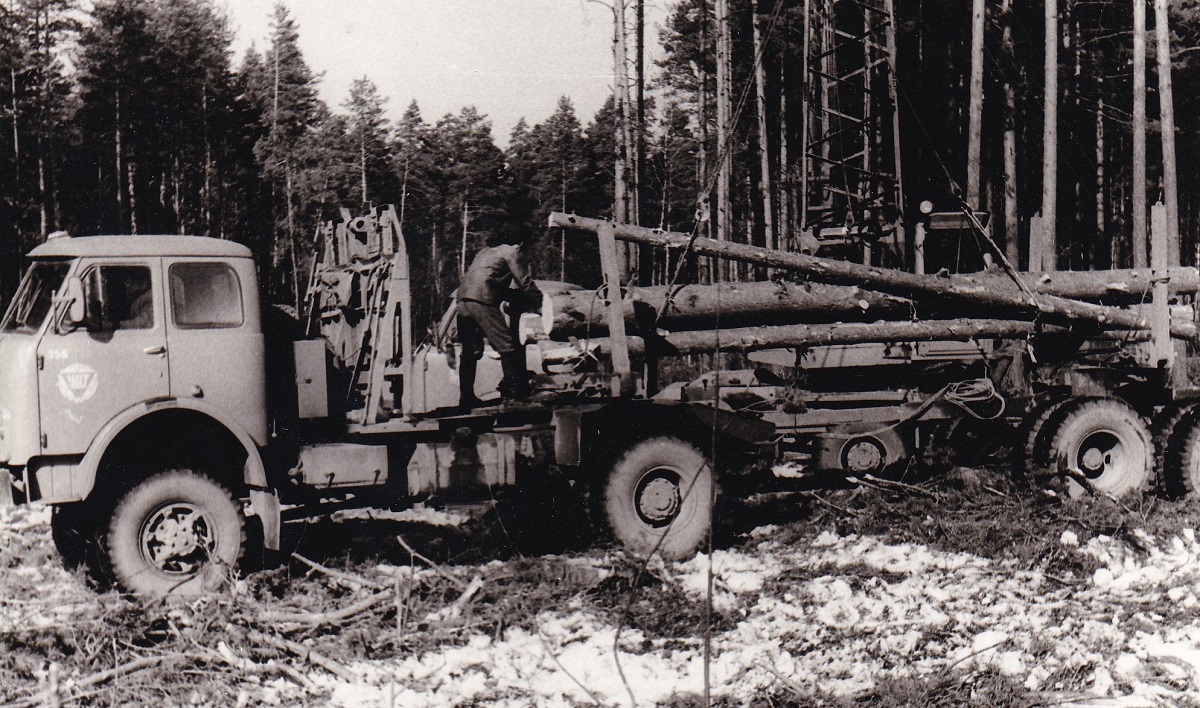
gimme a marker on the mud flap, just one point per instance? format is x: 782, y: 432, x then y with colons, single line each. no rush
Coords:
x: 6, y: 488
x: 265, y: 505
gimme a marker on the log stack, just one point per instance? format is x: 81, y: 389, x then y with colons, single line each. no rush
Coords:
x: 844, y: 303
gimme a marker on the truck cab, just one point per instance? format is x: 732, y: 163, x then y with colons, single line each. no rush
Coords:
x: 107, y: 334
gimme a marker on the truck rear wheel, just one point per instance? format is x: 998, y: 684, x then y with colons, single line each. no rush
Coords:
x: 178, y: 532
x: 656, y: 498
x: 1108, y: 443
x: 1038, y: 432
x: 1181, y: 457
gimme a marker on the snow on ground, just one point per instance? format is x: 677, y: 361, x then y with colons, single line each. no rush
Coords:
x: 836, y: 615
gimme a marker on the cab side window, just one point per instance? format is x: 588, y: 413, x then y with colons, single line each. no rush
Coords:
x: 126, y: 296
x: 205, y: 295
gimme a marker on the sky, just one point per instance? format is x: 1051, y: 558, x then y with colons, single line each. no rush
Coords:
x: 508, y: 58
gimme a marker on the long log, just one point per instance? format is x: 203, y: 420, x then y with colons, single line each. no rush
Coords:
x: 754, y: 338
x: 1050, y: 308
x: 1124, y: 286
x: 576, y: 312
x: 581, y: 312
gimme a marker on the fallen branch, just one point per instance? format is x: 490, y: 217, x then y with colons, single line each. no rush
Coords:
x: 473, y: 587
x: 797, y: 692
x: 440, y: 571
x: 977, y: 652
x: 146, y: 662
x: 831, y: 505
x: 357, y: 581
x: 901, y: 485
x: 129, y: 667
x: 316, y: 619
x: 311, y: 656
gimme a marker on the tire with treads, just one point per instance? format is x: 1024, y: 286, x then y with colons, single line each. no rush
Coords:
x: 1172, y: 428
x: 1038, y: 432
x: 656, y: 498
x: 1109, y: 443
x: 177, y: 532
x: 1181, y: 460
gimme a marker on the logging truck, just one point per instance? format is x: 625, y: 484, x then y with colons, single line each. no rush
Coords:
x: 168, y: 415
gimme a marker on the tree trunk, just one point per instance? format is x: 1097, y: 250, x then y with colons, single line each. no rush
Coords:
x: 757, y: 338
x: 786, y: 227
x: 291, y: 235
x: 131, y: 196
x: 16, y: 133
x: 704, y: 197
x: 646, y: 258
x: 580, y: 313
x: 1101, y: 210
x: 1052, y: 308
x: 1139, y: 134
x: 625, y: 186
x: 1012, y: 236
x: 764, y: 152
x: 1049, y: 238
x: 362, y: 162
x: 1166, y: 104
x: 206, y: 196
x: 975, y: 112
x: 119, y: 178
x: 724, y: 130
x: 43, y: 213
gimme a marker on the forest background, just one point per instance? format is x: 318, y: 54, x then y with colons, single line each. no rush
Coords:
x: 129, y: 116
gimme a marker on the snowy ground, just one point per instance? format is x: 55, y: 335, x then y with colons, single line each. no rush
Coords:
x: 825, y: 621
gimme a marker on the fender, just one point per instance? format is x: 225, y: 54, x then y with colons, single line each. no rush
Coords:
x: 254, y: 474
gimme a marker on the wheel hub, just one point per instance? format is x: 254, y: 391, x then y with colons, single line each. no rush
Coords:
x: 659, y: 500
x: 864, y: 457
x: 178, y: 538
x: 1099, y: 453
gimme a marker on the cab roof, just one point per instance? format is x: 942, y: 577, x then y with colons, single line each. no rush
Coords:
x: 133, y: 246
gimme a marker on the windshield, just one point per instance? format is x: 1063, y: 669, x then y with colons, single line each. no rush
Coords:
x: 34, y: 297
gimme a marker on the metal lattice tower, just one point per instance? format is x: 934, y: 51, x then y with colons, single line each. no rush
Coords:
x: 851, y: 170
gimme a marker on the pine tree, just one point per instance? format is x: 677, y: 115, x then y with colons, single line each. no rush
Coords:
x: 115, y: 76
x: 368, y: 132
x: 549, y: 165
x: 285, y: 92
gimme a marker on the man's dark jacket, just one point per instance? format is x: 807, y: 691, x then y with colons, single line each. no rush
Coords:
x: 493, y: 271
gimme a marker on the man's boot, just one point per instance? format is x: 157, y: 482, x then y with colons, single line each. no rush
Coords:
x: 515, y: 385
x: 466, y: 382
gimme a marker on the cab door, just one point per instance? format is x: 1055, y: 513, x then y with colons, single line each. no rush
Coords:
x: 215, y: 339
x: 86, y: 376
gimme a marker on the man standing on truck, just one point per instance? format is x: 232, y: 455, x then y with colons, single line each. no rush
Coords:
x: 497, y: 274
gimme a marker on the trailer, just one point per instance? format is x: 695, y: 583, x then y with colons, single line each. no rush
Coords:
x: 1090, y: 376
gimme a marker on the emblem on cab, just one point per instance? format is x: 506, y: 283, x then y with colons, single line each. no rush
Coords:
x: 77, y: 382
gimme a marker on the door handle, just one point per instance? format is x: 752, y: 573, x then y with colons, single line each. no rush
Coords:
x: 156, y: 349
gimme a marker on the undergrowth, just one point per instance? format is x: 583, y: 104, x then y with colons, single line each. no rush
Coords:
x: 984, y: 512
x: 472, y: 580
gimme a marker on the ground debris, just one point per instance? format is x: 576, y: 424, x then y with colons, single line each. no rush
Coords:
x: 991, y: 594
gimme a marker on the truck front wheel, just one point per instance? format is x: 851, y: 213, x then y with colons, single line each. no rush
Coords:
x: 657, y: 497
x: 178, y: 532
